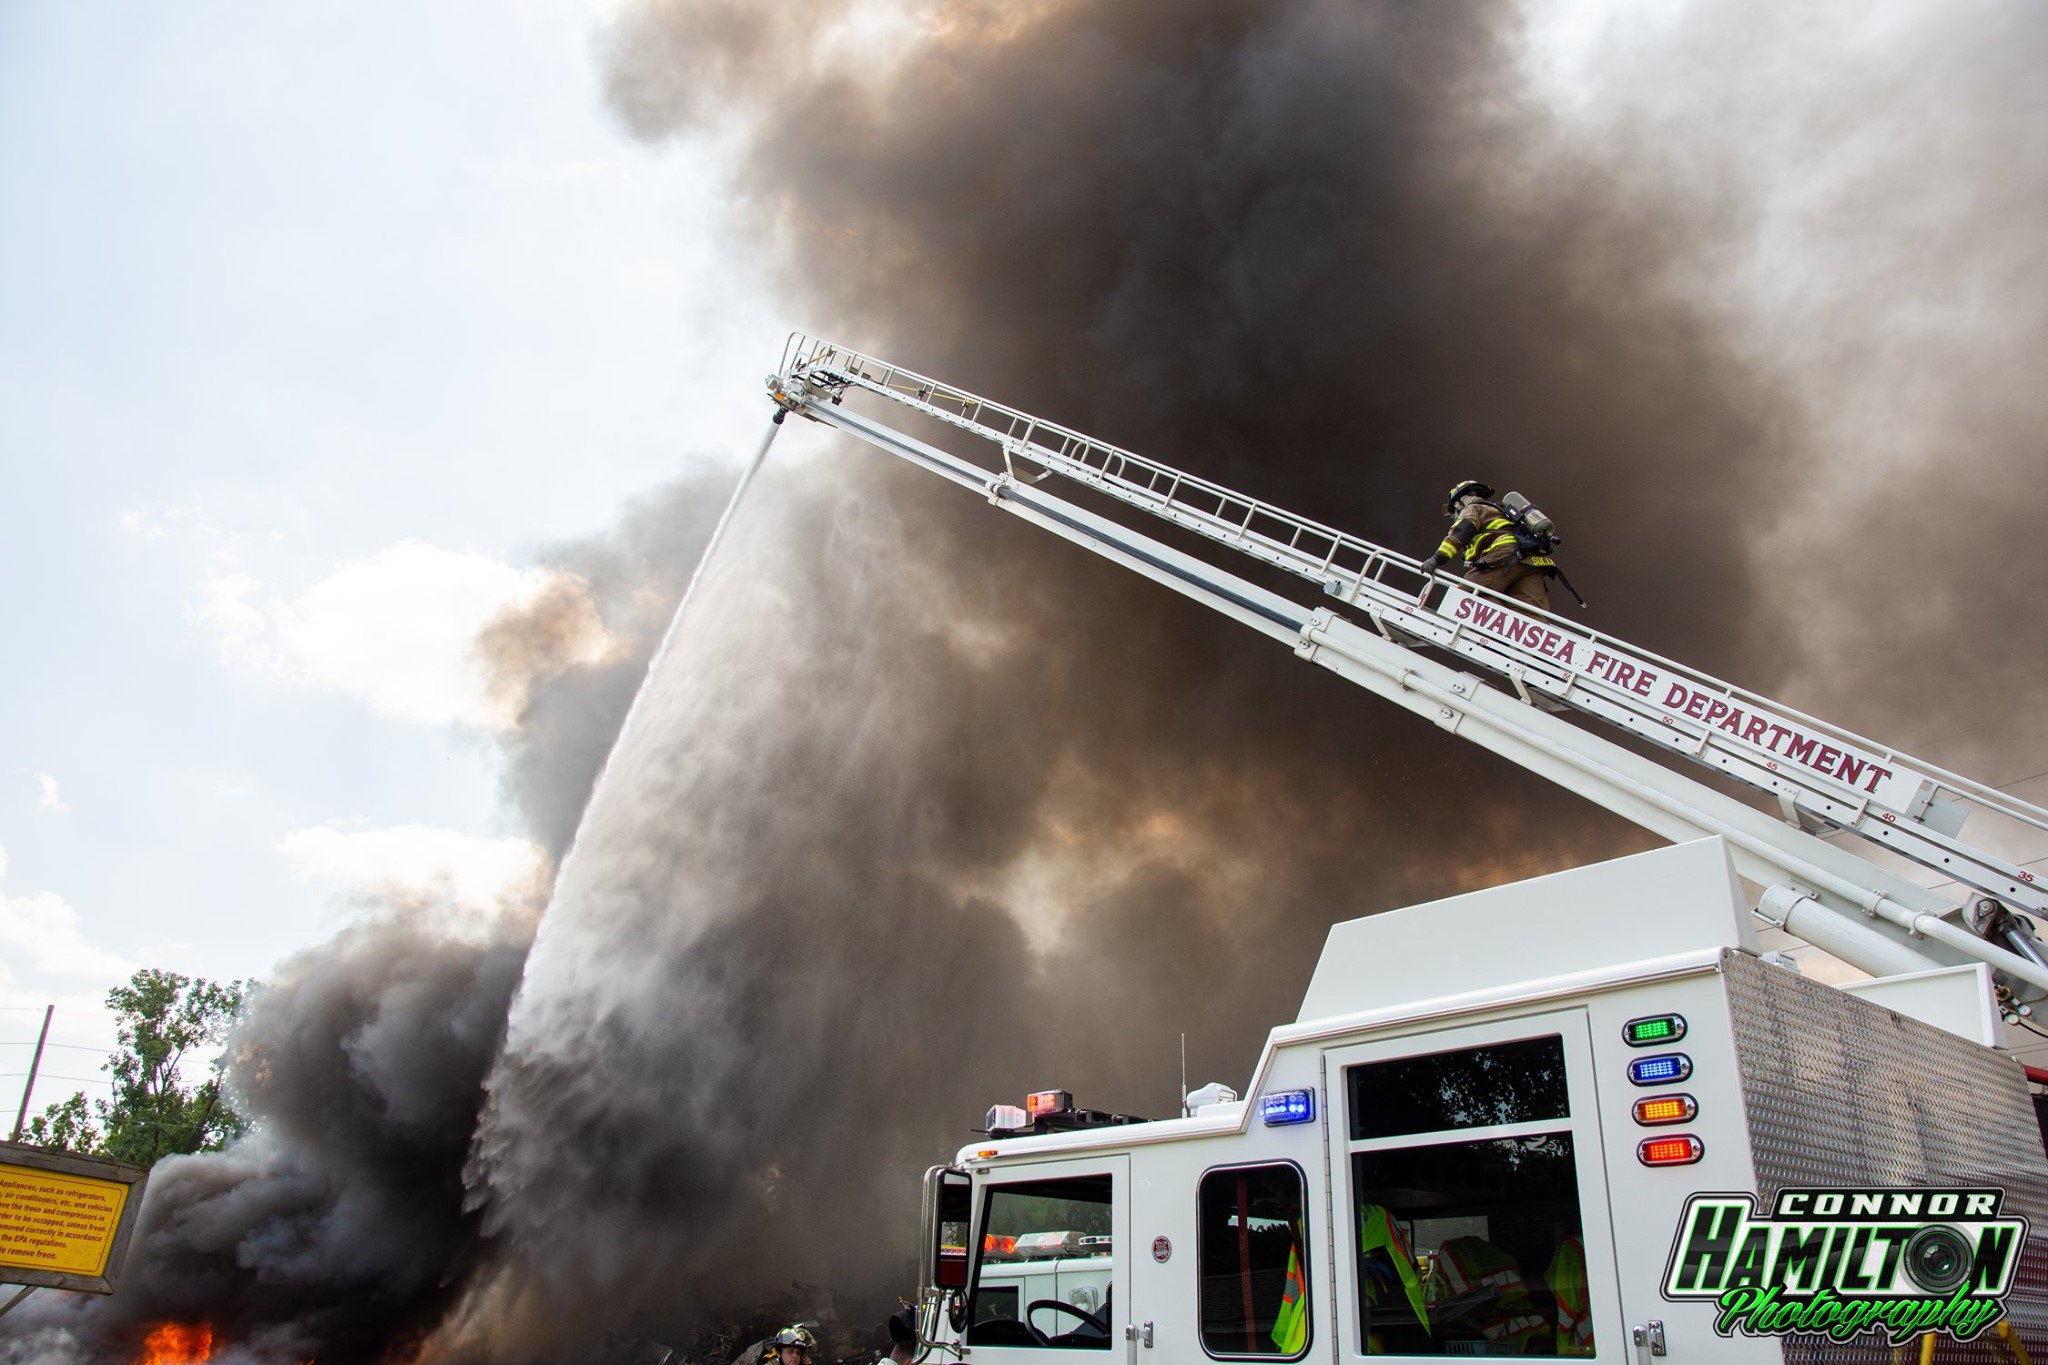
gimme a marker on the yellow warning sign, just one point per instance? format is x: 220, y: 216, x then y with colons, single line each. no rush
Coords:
x: 57, y: 1222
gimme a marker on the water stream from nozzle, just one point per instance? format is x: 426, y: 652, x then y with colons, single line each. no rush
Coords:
x: 717, y: 535
x: 697, y: 575
x: 675, y: 621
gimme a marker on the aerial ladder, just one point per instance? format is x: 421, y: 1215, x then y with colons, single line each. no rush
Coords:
x: 1505, y: 676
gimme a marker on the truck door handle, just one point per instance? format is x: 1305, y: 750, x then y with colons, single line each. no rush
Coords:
x: 1649, y: 1340
x: 1142, y: 1334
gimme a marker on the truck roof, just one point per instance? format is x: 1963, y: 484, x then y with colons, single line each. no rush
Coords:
x: 1669, y: 911
x: 1666, y: 902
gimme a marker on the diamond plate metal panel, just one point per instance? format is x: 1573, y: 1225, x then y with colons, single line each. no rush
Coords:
x: 1843, y: 1092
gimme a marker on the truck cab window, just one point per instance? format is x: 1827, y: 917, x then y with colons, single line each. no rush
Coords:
x: 1254, y: 1256
x: 1468, y: 1228
x: 1042, y: 1276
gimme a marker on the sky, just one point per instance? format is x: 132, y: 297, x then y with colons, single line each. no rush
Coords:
x: 315, y: 328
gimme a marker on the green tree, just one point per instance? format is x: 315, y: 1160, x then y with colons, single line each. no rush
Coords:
x: 160, y: 1018
x: 67, y: 1126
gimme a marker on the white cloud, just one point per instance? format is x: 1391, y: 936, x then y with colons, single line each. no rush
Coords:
x: 141, y: 524
x: 42, y: 929
x: 398, y: 630
x: 3, y: 862
x: 50, y: 799
x: 186, y: 520
x: 473, y: 871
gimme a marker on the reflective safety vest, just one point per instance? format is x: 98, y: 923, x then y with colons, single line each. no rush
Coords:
x: 1469, y: 1263
x: 1290, y: 1327
x: 1567, y: 1276
x: 1378, y: 1231
x: 1483, y: 535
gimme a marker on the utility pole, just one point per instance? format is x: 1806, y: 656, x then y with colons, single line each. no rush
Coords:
x: 21, y: 1115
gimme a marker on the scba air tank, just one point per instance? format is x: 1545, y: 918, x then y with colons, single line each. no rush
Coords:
x: 1530, y: 516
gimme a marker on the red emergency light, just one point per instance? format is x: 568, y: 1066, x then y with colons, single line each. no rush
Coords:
x: 1046, y: 1102
x: 1681, y: 1149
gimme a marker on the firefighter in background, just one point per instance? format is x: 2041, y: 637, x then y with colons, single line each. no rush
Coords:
x: 1483, y: 544
x: 793, y: 1345
x: 902, y: 1336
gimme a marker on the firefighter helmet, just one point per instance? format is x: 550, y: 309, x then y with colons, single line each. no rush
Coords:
x: 1484, y: 490
x: 796, y: 1335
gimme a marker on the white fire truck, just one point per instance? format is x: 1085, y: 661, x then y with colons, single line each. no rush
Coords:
x: 1584, y: 1115
x: 1481, y: 1136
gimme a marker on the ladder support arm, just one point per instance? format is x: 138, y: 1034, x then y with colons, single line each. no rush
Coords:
x: 1823, y: 775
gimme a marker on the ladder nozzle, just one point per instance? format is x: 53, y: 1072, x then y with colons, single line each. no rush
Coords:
x: 785, y: 401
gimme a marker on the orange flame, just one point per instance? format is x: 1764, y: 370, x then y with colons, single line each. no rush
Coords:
x: 177, y: 1343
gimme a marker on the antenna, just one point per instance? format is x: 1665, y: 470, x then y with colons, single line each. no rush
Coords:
x: 1183, y: 1075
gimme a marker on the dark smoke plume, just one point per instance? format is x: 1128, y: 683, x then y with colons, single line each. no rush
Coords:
x: 925, y: 811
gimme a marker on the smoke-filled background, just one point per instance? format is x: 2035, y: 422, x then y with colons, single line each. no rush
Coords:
x: 921, y: 810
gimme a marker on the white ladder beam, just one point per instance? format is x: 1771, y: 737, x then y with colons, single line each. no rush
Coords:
x: 1868, y: 917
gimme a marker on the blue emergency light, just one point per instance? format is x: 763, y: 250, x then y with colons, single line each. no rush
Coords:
x: 1288, y: 1106
x: 1661, y: 1069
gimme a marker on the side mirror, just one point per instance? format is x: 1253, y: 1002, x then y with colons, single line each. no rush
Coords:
x: 948, y: 1211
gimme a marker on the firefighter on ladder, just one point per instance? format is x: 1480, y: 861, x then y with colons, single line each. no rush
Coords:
x: 1483, y: 544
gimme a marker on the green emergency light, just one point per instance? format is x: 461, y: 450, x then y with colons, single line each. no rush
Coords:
x: 1653, y: 1029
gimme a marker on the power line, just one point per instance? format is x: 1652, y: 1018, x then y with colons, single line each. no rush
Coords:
x: 61, y: 1009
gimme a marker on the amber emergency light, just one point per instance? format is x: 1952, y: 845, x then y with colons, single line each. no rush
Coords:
x: 1666, y: 1109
